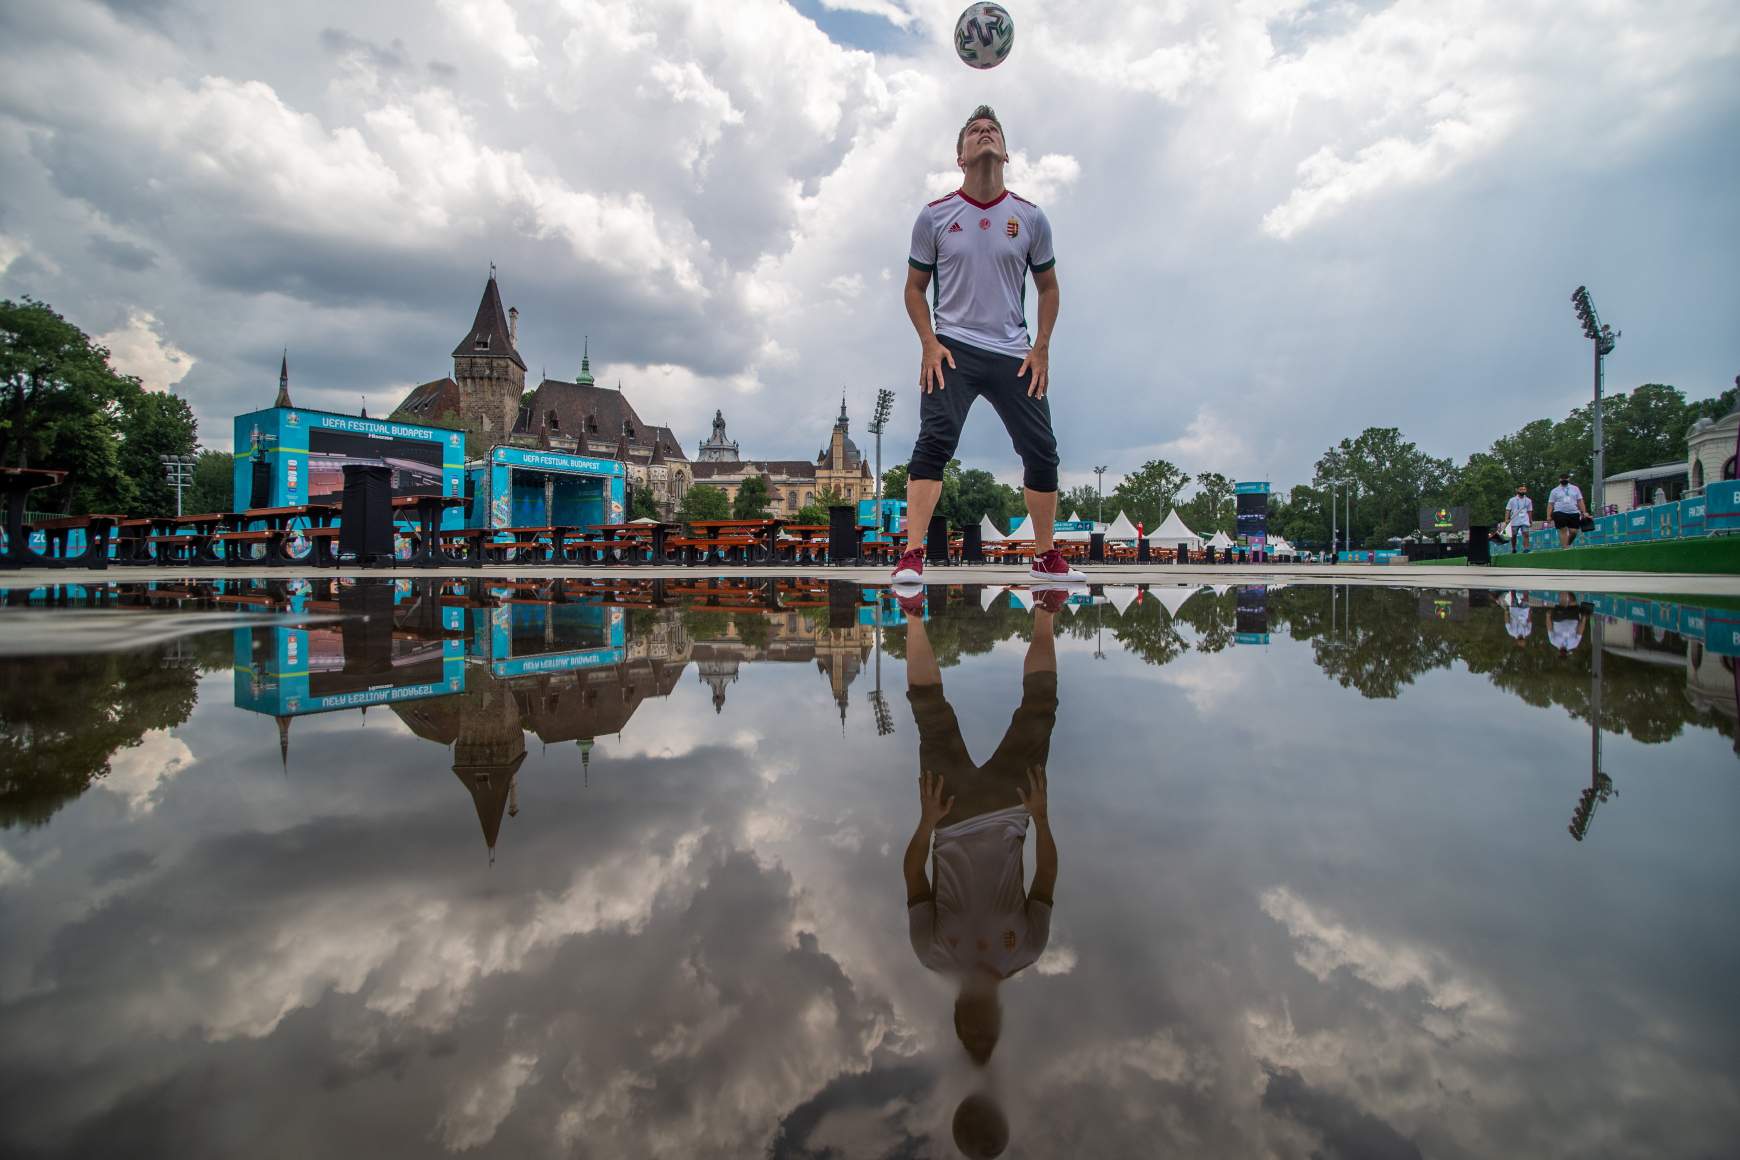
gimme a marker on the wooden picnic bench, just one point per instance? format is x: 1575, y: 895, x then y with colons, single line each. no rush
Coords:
x: 57, y: 534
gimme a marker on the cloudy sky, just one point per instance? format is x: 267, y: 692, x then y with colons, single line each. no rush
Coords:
x: 1277, y: 221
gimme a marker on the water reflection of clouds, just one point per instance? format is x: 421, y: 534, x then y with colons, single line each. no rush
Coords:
x: 1351, y: 947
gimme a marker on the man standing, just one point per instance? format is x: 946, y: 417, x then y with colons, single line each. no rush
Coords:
x: 978, y: 245
x: 1566, y: 504
x: 1519, y: 513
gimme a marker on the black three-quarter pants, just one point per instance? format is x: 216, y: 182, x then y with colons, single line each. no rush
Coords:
x: 942, y: 414
x: 997, y: 784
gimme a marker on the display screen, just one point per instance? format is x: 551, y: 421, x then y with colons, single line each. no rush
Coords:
x: 1253, y: 515
x: 415, y: 463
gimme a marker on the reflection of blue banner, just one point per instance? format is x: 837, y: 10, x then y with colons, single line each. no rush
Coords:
x: 276, y: 681
x: 555, y: 662
x: 1716, y: 629
x: 1250, y: 638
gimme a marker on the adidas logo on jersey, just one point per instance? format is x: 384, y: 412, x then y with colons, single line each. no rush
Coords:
x: 954, y: 227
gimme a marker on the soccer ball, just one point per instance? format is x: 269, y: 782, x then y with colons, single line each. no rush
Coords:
x: 984, y: 34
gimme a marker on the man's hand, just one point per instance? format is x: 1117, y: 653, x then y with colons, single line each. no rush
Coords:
x: 1039, y: 361
x: 1034, y: 796
x: 932, y: 807
x: 930, y: 368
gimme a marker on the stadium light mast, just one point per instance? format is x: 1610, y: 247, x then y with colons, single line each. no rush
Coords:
x: 1100, y: 484
x: 178, y: 470
x: 879, y: 424
x: 1605, y: 338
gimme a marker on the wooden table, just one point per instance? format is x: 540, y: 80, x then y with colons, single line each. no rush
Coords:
x: 525, y: 540
x: 98, y: 530
x: 632, y: 535
x: 278, y: 521
x: 764, y: 529
x: 427, y: 511
x: 16, y: 484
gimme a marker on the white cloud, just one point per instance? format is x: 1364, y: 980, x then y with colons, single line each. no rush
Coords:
x: 140, y: 349
x: 492, y: 24
x: 475, y: 1113
x: 139, y: 773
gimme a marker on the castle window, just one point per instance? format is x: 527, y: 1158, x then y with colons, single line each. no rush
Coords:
x: 481, y: 342
x: 555, y: 421
x: 592, y: 424
x: 628, y: 429
x: 791, y: 498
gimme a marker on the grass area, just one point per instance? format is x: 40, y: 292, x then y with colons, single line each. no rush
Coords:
x: 1719, y: 555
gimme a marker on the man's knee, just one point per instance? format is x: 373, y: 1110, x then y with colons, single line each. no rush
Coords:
x: 930, y: 455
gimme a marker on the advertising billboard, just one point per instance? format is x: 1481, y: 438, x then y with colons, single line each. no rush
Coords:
x: 1444, y: 519
x: 415, y: 463
x: 1253, y: 512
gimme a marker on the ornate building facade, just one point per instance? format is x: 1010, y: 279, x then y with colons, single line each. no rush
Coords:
x: 839, y: 468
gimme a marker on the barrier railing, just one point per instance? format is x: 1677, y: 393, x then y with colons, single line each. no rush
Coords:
x: 1716, y: 512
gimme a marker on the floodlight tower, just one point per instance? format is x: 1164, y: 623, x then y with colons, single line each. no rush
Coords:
x: 878, y: 424
x: 1100, y: 483
x: 178, y: 470
x: 1605, y: 338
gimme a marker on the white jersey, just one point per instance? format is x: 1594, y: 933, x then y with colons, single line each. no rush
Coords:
x: 1566, y: 634
x: 979, y: 913
x: 1519, y: 626
x: 978, y: 255
x: 1521, y: 510
x: 1565, y: 498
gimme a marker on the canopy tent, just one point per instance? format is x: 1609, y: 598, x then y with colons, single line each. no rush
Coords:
x: 1120, y: 596
x: 1072, y: 535
x: 988, y: 533
x: 1121, y: 529
x: 1278, y: 546
x: 1022, y: 597
x: 1023, y: 530
x: 1221, y: 540
x: 1172, y: 598
x: 1172, y: 532
x: 989, y: 596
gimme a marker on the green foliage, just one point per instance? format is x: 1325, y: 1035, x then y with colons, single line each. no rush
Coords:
x: 1211, y: 509
x: 155, y: 425
x: 61, y: 406
x: 1148, y: 493
x: 975, y: 494
x: 1300, y: 516
x: 213, y: 483
x: 1391, y: 479
x: 704, y: 503
x: 752, y: 500
x: 1082, y: 499
x: 641, y: 505
x: 894, y: 482
x: 828, y: 497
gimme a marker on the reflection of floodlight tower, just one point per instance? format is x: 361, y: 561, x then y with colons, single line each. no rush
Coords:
x: 879, y: 703
x: 878, y: 424
x: 1604, y: 337
x: 1600, y: 785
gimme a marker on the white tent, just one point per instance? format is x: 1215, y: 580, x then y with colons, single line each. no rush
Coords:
x: 1120, y: 596
x: 988, y: 533
x: 1278, y: 546
x: 1022, y: 531
x: 1221, y: 540
x: 1022, y: 597
x: 1121, y: 529
x: 1171, y: 598
x: 1172, y: 532
x: 1083, y: 536
x: 989, y: 597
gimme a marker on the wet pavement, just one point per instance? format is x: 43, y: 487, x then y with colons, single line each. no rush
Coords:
x: 590, y: 867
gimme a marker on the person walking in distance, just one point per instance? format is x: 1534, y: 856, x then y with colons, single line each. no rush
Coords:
x: 974, y: 250
x: 1566, y: 504
x: 1519, y: 513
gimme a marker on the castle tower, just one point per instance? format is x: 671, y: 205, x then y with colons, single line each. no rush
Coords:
x: 283, y: 399
x: 720, y: 448
x: 490, y: 373
x: 584, y: 378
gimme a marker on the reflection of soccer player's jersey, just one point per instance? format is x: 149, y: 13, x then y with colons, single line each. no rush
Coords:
x: 980, y: 914
x: 979, y: 255
x: 1519, y: 625
x: 1566, y: 632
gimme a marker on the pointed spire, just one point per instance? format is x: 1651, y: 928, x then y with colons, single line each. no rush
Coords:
x: 584, y: 378
x: 842, y: 420
x: 284, y: 742
x: 283, y: 399
x: 490, y: 336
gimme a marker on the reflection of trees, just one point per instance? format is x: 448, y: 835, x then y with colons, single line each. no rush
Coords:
x: 61, y: 718
x: 958, y: 628
x: 1147, y: 630
x: 1214, y: 617
x: 1382, y: 644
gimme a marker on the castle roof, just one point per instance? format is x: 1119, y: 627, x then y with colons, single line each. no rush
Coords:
x: 426, y: 402
x: 489, y: 336
x: 611, y: 417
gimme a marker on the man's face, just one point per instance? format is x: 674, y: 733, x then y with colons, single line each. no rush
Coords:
x: 983, y: 136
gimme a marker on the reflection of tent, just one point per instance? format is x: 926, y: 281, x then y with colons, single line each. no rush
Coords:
x: 988, y: 533
x: 644, y: 520
x: 1120, y: 596
x: 1221, y: 540
x: 1022, y: 597
x: 989, y: 596
x: 1023, y: 530
x: 1121, y: 529
x: 1172, y: 532
x: 1172, y: 599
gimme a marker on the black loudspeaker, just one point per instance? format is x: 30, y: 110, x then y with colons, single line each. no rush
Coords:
x: 1142, y: 554
x: 972, y: 544
x: 1479, y: 547
x: 936, y: 543
x: 1182, y: 555
x: 260, y: 483
x: 366, y: 631
x: 366, y: 514
x: 842, y: 533
x: 842, y: 604
x: 1097, y: 547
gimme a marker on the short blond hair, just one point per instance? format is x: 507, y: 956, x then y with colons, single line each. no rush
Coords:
x: 982, y: 113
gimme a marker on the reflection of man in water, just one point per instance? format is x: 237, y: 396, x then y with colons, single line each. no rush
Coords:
x: 1568, y: 620
x: 1519, y: 626
x: 979, y: 922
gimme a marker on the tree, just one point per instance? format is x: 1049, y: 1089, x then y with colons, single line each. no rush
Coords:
x: 213, y: 483
x: 60, y: 406
x: 894, y: 482
x: 641, y: 505
x: 155, y: 425
x: 1300, y: 516
x: 752, y: 499
x: 1149, y: 492
x: 1392, y: 479
x: 704, y: 503
x: 1211, y: 509
x: 1083, y: 497
x: 976, y: 494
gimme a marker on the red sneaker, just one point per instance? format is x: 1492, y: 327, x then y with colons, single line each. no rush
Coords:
x: 1050, y: 599
x: 910, y: 569
x: 1052, y: 567
x: 911, y: 603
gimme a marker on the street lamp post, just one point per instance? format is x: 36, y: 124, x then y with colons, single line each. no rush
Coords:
x: 1605, y: 338
x: 178, y: 469
x: 1100, y: 483
x: 878, y: 424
